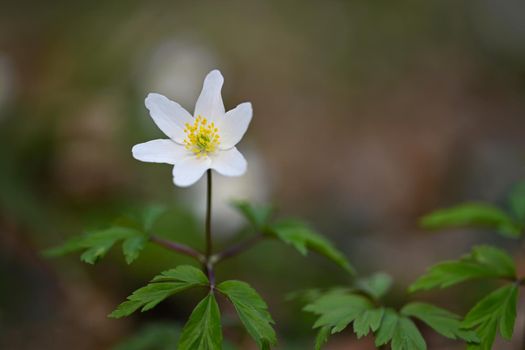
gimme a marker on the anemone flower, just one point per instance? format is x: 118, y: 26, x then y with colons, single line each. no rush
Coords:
x: 200, y: 142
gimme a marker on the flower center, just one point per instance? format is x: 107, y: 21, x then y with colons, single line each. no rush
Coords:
x: 202, y: 137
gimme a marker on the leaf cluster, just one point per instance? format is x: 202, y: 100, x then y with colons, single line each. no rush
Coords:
x: 496, y: 310
x: 132, y: 233
x: 203, y: 329
x: 337, y: 309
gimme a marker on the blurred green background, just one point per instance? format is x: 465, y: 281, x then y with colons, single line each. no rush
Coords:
x: 367, y: 114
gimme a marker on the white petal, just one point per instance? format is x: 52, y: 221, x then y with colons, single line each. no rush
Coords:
x: 234, y: 125
x: 189, y: 170
x: 209, y: 104
x: 159, y: 151
x: 229, y: 163
x: 169, y: 116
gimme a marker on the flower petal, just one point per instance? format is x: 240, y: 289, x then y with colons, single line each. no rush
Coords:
x: 209, y: 104
x: 159, y: 151
x: 169, y: 116
x: 229, y: 163
x: 189, y: 170
x: 234, y: 125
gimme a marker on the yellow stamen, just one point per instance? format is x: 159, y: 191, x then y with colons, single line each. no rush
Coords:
x: 201, y: 138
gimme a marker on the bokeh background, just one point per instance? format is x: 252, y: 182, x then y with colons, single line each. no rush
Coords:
x: 367, y: 114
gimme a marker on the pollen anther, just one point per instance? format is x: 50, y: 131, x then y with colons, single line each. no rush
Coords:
x: 202, y: 137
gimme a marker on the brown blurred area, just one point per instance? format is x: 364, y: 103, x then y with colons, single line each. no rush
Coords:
x: 366, y: 116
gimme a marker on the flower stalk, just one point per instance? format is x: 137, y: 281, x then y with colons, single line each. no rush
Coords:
x: 209, y: 243
x: 208, y: 264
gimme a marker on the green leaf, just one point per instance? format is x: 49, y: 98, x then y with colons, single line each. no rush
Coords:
x: 132, y: 247
x: 472, y: 215
x: 517, y: 202
x: 303, y: 238
x: 97, y: 252
x: 161, y: 287
x: 322, y: 337
x: 203, y: 329
x: 130, y: 230
x: 482, y: 262
x: 498, y: 309
x: 487, y: 333
x: 407, y: 336
x: 400, y: 331
x: 252, y: 311
x: 337, y: 310
x: 96, y: 244
x: 257, y: 215
x: 387, y: 328
x: 367, y: 321
x: 442, y: 321
x: 376, y: 285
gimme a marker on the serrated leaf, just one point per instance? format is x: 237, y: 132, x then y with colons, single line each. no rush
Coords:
x: 95, y: 244
x: 132, y: 247
x: 387, y: 328
x: 367, y: 321
x: 407, y: 336
x: 161, y: 287
x: 376, y: 285
x: 472, y: 215
x: 252, y: 311
x: 517, y: 202
x: 496, y: 310
x: 337, y: 309
x: 487, y: 334
x: 442, y: 321
x: 203, y: 329
x: 303, y: 238
x: 400, y: 331
x: 92, y: 239
x: 482, y: 262
x: 322, y: 337
x: 98, y: 251
x: 257, y: 215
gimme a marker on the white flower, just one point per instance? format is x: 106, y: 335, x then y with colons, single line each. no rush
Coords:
x: 205, y: 141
